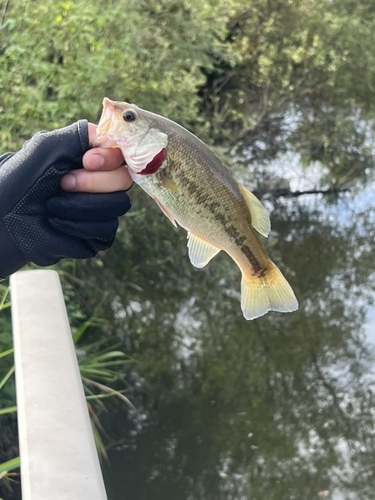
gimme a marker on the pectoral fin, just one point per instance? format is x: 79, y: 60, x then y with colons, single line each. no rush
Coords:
x: 259, y: 216
x: 168, y: 183
x: 200, y: 252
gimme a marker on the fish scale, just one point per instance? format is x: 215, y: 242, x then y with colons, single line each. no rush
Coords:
x: 193, y: 188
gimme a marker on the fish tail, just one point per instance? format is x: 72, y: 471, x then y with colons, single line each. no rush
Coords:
x: 271, y: 292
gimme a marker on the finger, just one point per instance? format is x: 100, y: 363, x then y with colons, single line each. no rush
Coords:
x: 103, y: 230
x: 97, y: 182
x: 98, y: 158
x: 88, y: 206
x: 102, y: 159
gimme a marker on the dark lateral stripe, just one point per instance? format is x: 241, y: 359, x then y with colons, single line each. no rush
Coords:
x: 258, y: 269
x: 245, y: 249
x: 223, y: 219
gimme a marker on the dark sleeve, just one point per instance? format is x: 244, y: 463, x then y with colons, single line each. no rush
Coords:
x: 13, y: 258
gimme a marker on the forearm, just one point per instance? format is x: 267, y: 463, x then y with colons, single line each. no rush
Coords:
x: 11, y: 258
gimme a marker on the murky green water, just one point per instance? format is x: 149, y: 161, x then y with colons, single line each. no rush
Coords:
x: 280, y: 408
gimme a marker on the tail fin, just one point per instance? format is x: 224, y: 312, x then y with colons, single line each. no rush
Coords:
x: 270, y: 293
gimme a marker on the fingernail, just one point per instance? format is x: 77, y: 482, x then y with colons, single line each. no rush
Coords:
x: 68, y: 182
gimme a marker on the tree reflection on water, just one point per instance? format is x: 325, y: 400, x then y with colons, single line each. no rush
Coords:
x: 278, y: 408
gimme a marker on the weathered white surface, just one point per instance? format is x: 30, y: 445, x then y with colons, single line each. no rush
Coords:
x: 58, y: 455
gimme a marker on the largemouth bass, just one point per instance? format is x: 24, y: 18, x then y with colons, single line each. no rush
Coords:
x: 193, y: 188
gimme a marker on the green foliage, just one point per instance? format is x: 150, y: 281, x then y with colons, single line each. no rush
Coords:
x: 8, y: 374
x: 11, y: 409
x: 59, y: 59
x: 7, y: 394
x: 6, y: 475
x: 6, y: 350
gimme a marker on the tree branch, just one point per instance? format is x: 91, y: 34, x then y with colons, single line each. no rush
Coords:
x: 287, y: 193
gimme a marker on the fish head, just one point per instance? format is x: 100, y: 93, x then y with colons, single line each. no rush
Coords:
x: 133, y: 130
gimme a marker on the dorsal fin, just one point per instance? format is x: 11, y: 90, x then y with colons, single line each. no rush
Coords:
x: 259, y: 216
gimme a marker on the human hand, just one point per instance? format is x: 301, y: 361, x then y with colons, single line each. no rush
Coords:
x: 41, y: 223
x: 104, y: 170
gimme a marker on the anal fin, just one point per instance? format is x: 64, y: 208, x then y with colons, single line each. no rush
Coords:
x: 200, y: 251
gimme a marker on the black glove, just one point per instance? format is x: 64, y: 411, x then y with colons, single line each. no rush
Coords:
x: 39, y: 221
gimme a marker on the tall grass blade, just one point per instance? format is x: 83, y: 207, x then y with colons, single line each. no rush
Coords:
x: 10, y: 465
x: 6, y: 353
x: 6, y: 377
x: 4, y: 305
x: 107, y: 389
x: 10, y: 409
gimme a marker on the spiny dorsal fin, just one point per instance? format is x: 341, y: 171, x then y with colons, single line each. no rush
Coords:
x: 200, y: 252
x: 259, y: 216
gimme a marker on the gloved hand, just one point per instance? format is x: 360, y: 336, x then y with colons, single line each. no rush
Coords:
x: 41, y: 223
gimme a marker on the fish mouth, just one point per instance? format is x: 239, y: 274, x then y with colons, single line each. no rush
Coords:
x: 106, y: 126
x: 143, y: 150
x: 105, y: 122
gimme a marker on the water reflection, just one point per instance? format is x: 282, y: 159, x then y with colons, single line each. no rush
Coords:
x: 278, y: 408
x: 370, y: 326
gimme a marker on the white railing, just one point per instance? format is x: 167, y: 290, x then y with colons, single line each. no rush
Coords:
x: 58, y: 456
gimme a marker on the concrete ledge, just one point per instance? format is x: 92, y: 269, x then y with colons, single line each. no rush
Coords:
x: 58, y: 454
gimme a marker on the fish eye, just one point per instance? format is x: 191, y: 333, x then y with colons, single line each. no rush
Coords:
x: 129, y: 116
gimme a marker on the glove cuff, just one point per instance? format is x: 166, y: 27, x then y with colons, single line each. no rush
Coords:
x: 14, y: 258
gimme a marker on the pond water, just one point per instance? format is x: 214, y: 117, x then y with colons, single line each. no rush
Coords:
x: 279, y: 408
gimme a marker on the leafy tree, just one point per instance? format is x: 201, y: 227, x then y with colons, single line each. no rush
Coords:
x: 304, y: 80
x: 59, y: 59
